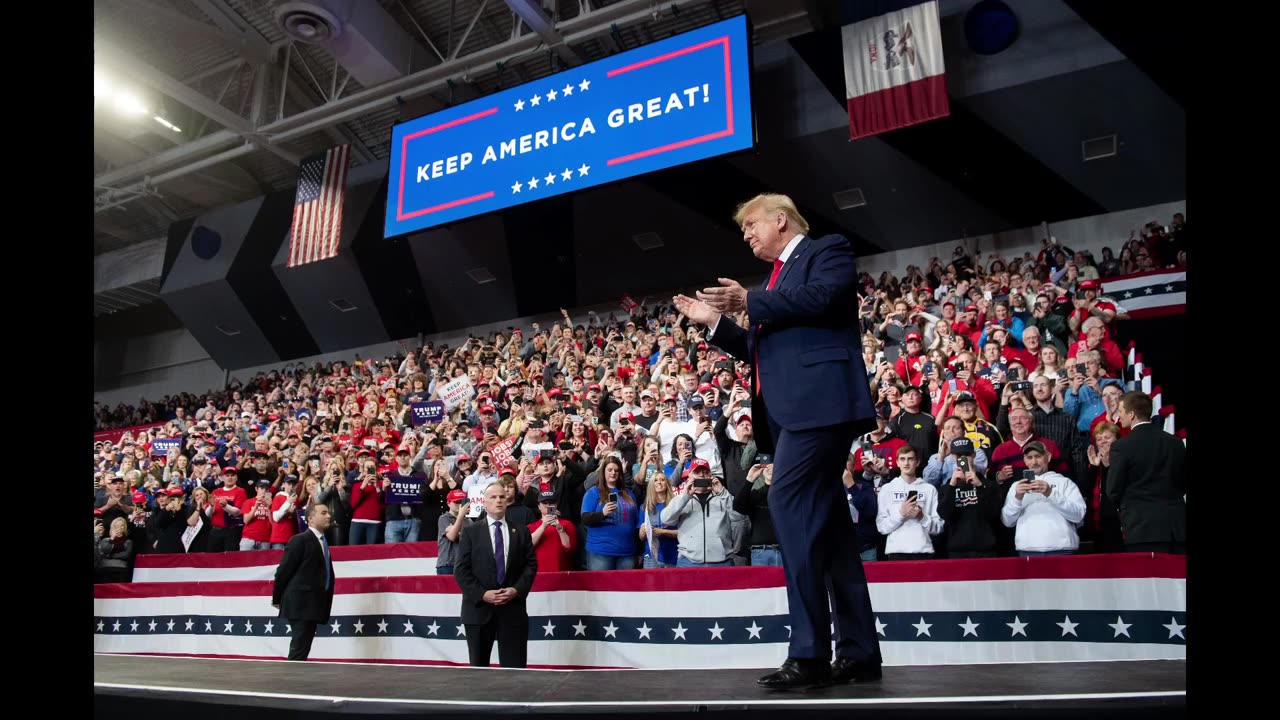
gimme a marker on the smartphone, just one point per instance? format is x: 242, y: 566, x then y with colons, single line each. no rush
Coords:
x: 764, y: 459
x: 987, y: 294
x: 285, y: 465
x: 927, y: 369
x: 963, y: 463
x: 951, y: 384
x: 1028, y: 475
x: 566, y: 445
x: 575, y: 418
x: 1080, y: 368
x: 613, y: 497
x: 911, y: 496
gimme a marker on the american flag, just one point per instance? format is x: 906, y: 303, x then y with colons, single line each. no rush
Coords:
x: 317, y: 212
x: 389, y: 606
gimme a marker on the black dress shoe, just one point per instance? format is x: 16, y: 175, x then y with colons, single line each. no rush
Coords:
x: 844, y: 670
x: 796, y: 673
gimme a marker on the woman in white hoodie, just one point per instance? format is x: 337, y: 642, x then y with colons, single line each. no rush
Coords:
x: 1044, y: 507
x: 908, y: 511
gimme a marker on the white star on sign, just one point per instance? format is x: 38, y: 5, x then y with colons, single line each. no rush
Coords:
x: 1068, y: 626
x: 288, y: 629
x: 579, y: 629
x: 152, y: 626
x: 171, y: 624
x: 1168, y: 288
x: 535, y: 100
x: 788, y: 627
x: 644, y: 629
x: 228, y: 626
x: 208, y: 626
x: 116, y: 627
x: 134, y: 626
x: 922, y: 627
x: 1121, y: 627
x: 1147, y: 290
x: 610, y: 630
x: 519, y: 104
x: 408, y: 626
x: 433, y: 628
x: 189, y: 624
x: 516, y: 188
x: 533, y: 183
x: 568, y: 90
x: 717, y: 632
x: 1175, y: 629
x: 969, y: 626
x: 583, y: 170
x: 584, y: 85
x: 462, y: 631
x: 382, y: 626
x: 754, y: 630
x: 270, y: 627
x: 567, y: 174
x: 360, y: 627
x: 1018, y: 627
x: 880, y: 627
x: 550, y: 179
x: 100, y: 625
x: 1128, y: 294
x: 551, y: 95
x: 248, y: 626
x: 679, y: 630
x: 548, y: 630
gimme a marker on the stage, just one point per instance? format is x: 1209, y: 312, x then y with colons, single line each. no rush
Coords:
x: 251, y: 689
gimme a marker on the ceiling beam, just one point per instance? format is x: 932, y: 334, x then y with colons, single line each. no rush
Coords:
x: 536, y: 17
x: 125, y: 65
x: 253, y: 49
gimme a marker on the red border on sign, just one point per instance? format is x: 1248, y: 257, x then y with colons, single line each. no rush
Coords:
x: 728, y: 90
x: 404, y: 148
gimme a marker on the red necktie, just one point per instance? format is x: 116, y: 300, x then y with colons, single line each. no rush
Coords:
x: 773, y: 278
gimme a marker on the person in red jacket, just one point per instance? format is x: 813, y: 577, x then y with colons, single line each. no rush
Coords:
x: 1111, y: 393
x: 224, y: 513
x: 909, y: 366
x: 1089, y: 306
x: 368, y: 503
x: 1095, y: 338
x: 284, y: 523
x: 257, y: 519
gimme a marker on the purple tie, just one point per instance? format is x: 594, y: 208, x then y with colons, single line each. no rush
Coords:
x: 497, y: 553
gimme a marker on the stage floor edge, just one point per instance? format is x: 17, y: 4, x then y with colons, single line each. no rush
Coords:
x: 199, y: 687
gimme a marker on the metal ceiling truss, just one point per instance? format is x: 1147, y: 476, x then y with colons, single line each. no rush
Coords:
x: 241, y: 136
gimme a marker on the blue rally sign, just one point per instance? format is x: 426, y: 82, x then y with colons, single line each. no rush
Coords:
x: 427, y: 412
x: 672, y: 102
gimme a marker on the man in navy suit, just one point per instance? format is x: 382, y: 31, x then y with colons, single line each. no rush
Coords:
x: 809, y: 382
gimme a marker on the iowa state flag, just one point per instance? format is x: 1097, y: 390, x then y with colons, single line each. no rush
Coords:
x: 893, y: 69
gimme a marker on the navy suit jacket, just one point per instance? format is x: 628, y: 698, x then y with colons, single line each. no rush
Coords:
x: 810, y: 349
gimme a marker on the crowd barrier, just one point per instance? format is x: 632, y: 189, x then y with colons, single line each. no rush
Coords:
x: 1000, y: 610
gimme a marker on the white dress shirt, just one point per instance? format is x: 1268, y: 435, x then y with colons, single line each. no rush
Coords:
x: 506, y: 537
x: 786, y: 253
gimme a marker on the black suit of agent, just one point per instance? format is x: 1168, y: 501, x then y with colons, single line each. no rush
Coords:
x: 304, y: 582
x: 493, y: 606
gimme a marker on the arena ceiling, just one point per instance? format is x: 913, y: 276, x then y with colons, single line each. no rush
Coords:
x: 248, y: 101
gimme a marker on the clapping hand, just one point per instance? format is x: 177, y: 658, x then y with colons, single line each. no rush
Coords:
x: 696, y: 310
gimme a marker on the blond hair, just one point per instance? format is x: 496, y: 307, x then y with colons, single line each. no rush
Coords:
x: 771, y: 203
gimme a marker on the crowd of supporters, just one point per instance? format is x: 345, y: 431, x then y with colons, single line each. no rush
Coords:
x: 999, y: 393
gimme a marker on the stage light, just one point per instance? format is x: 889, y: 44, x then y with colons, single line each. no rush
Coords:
x: 167, y: 124
x: 101, y: 84
x: 129, y: 104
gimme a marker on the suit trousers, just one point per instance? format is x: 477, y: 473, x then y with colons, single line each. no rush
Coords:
x: 819, y: 545
x: 304, y: 631
x: 513, y: 642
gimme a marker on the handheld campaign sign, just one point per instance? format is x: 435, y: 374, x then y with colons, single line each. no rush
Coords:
x: 675, y: 101
x: 427, y: 412
x: 160, y: 447
x: 404, y: 490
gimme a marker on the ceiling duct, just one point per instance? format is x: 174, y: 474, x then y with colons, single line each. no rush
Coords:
x: 360, y: 35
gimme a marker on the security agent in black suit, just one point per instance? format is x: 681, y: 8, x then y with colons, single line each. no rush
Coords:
x: 303, y: 589
x: 1148, y: 481
x: 493, y: 592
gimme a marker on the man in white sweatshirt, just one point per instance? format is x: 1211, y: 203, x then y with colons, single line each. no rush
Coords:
x: 703, y: 516
x: 908, y: 511
x: 1044, y: 507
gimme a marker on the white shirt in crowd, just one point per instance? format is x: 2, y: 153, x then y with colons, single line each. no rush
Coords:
x: 907, y: 535
x: 1045, y: 524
